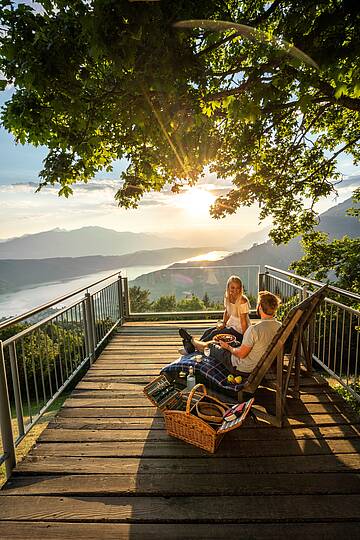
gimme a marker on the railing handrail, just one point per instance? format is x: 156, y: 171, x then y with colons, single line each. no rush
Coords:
x: 198, y: 312
x: 310, y: 281
x: 214, y: 267
x: 47, y: 305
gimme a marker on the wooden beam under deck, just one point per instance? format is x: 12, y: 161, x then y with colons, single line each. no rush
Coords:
x: 105, y: 467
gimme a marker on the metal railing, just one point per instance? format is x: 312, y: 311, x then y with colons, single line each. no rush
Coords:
x: 335, y: 332
x: 40, y: 360
x: 178, y: 288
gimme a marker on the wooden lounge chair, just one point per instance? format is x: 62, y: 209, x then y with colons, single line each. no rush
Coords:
x: 295, y: 324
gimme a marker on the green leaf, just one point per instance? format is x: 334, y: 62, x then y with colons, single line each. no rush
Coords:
x: 340, y: 90
x: 356, y: 90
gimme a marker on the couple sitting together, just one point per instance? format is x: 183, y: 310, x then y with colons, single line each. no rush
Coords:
x: 250, y: 341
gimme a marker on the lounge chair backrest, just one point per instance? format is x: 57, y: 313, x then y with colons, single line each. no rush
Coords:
x: 300, y: 315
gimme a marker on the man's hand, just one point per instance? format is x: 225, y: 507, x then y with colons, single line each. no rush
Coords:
x: 225, y: 345
x: 220, y: 325
x: 241, y: 352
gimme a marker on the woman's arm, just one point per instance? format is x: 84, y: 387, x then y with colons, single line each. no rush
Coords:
x: 226, y: 317
x: 222, y: 323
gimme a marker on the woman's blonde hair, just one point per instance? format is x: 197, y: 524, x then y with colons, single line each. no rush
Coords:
x: 234, y: 279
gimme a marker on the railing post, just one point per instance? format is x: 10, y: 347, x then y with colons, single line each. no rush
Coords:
x: 307, y: 335
x: 304, y: 293
x: 93, y: 323
x: 89, y: 325
x: 266, y: 281
x: 263, y: 281
x: 120, y: 298
x: 16, y: 387
x: 5, y: 418
x: 127, y: 298
x: 86, y: 337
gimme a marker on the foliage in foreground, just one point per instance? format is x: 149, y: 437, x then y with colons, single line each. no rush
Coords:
x: 43, y: 357
x: 100, y: 80
x: 339, y: 256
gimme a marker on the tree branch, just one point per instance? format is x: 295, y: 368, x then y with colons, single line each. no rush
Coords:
x: 217, y: 44
x: 267, y: 13
x: 353, y: 104
x: 258, y: 20
x: 330, y: 160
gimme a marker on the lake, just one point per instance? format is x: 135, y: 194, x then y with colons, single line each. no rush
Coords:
x: 21, y: 301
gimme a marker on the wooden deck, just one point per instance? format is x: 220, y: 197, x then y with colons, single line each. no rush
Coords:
x: 106, y: 468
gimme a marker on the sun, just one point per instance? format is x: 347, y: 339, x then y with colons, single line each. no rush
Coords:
x: 195, y: 201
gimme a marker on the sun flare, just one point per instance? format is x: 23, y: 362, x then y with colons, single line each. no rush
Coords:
x: 195, y: 201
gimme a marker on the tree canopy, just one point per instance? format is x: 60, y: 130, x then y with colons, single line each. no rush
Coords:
x: 98, y: 80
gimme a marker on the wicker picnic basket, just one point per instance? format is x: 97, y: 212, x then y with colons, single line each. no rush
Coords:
x: 190, y: 428
x: 183, y: 423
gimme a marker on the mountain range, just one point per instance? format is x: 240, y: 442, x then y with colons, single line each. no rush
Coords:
x: 80, y: 243
x: 334, y: 221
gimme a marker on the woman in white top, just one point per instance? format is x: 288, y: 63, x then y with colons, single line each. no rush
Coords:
x: 236, y: 315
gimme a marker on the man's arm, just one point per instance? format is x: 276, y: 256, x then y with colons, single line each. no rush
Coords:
x: 240, y: 352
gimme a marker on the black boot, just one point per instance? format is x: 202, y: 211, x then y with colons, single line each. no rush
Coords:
x: 186, y: 337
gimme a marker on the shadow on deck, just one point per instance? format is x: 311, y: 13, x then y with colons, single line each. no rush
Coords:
x: 106, y: 468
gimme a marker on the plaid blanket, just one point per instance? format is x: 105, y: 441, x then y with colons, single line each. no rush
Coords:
x: 209, y: 371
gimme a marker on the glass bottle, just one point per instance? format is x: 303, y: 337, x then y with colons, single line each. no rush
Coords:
x: 190, y: 383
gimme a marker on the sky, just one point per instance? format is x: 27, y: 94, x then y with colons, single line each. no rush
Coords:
x: 183, y: 217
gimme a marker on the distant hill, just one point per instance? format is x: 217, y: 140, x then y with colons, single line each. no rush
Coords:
x: 257, y: 237
x: 18, y: 274
x: 334, y: 221
x: 80, y: 242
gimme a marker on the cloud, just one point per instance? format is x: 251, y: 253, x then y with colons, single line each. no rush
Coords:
x: 23, y: 187
x: 349, y: 182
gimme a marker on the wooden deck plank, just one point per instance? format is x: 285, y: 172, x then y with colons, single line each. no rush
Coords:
x: 152, y: 370
x: 51, y: 530
x: 177, y: 509
x: 293, y: 408
x: 136, y: 378
x: 246, y: 433
x: 107, y: 460
x: 155, y: 431
x: 196, y: 465
x: 100, y: 390
x: 183, y: 484
x: 175, y: 448
x: 150, y: 412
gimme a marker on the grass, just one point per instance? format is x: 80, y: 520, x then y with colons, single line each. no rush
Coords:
x: 27, y: 443
x: 344, y: 393
x: 349, y: 398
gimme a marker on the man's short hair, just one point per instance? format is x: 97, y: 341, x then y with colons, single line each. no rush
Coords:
x: 269, y: 302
